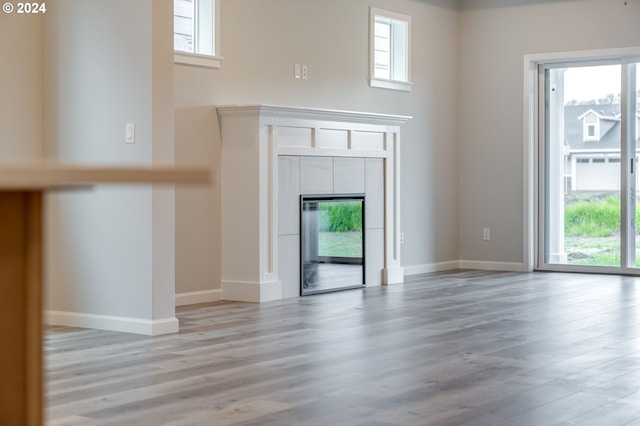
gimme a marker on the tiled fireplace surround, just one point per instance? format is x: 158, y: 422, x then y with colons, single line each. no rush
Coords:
x: 271, y: 155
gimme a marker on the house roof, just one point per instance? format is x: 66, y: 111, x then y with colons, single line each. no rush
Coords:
x: 610, y: 128
x: 602, y: 114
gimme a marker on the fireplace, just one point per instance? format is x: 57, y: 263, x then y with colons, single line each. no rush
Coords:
x: 273, y: 155
x: 332, y: 243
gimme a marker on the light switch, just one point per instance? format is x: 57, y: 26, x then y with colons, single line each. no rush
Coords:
x: 296, y: 71
x: 130, y: 133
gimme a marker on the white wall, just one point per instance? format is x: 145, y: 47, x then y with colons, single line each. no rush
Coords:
x: 20, y: 87
x: 163, y: 152
x: 198, y: 217
x: 494, y: 37
x: 462, y: 154
x: 261, y: 42
x: 110, y: 249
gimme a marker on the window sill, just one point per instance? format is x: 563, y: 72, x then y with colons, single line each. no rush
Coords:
x: 404, y: 86
x: 197, y: 60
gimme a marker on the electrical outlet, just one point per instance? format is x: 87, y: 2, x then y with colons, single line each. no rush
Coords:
x: 486, y: 234
x: 305, y: 72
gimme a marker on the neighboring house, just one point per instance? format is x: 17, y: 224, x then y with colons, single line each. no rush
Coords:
x: 592, y: 146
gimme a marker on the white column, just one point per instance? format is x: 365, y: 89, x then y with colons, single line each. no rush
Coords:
x: 249, y: 227
x: 393, y: 272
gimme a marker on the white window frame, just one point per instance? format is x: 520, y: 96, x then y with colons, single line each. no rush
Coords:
x: 400, y: 54
x: 206, y: 37
x: 531, y: 133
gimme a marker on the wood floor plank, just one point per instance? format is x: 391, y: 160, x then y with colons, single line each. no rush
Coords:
x: 452, y: 348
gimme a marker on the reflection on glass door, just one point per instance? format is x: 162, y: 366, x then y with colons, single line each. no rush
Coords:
x: 588, y: 163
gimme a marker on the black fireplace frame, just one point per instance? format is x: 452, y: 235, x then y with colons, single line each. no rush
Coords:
x: 327, y: 259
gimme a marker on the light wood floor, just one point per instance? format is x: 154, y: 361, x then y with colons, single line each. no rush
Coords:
x: 457, y: 348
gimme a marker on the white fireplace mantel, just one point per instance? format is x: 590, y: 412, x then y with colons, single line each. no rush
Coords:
x: 253, y: 136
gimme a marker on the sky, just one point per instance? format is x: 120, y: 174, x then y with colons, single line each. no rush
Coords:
x: 594, y: 82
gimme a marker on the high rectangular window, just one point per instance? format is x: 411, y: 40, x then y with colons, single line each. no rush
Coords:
x: 195, y: 33
x: 390, y: 41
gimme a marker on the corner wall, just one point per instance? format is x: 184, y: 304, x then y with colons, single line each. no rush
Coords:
x: 495, y: 35
x: 110, y: 260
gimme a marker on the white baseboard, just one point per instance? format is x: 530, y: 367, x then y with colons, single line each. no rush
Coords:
x: 112, y: 323
x: 464, y: 264
x: 393, y: 275
x: 195, y: 297
x: 255, y: 292
x: 493, y: 266
x: 431, y: 267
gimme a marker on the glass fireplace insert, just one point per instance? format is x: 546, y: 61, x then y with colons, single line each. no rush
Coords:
x: 332, y: 243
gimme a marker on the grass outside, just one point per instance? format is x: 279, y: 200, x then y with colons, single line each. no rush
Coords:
x: 340, y: 229
x: 600, y: 251
x: 592, y: 229
x: 340, y: 244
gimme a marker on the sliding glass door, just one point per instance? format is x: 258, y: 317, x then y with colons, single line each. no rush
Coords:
x: 633, y: 134
x: 588, y: 159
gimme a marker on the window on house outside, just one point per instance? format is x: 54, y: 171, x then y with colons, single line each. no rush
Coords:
x: 195, y: 33
x: 389, y: 50
x: 591, y: 132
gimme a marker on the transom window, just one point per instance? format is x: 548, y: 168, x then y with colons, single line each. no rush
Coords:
x: 195, y: 29
x: 389, y: 63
